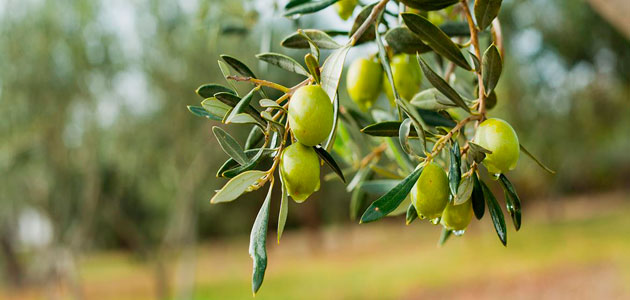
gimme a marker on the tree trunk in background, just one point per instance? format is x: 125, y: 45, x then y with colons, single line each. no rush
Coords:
x: 616, y: 12
x: 14, y: 271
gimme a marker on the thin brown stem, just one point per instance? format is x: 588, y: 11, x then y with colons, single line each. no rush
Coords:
x: 366, y: 24
x: 474, y: 38
x: 439, y: 145
x: 260, y: 82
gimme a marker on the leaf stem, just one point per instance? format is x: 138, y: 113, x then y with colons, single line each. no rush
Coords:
x: 439, y: 145
x: 474, y: 38
x: 260, y: 82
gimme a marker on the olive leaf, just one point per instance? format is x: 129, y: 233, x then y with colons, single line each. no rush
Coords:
x: 435, y: 38
x: 512, y: 201
x: 230, y: 163
x: 246, y: 167
x: 379, y: 186
x: 284, y: 207
x: 446, y: 233
x: 330, y: 161
x: 412, y: 214
x: 536, y: 160
x: 441, y: 85
x: 320, y: 38
x: 201, y: 112
x: 238, y: 66
x: 313, y: 67
x: 403, y: 134
x: 368, y: 34
x: 403, y: 40
x: 429, y: 5
x: 311, y: 44
x: 431, y: 99
x: 254, y: 137
x: 258, y: 241
x: 486, y: 11
x: 387, y: 128
x: 331, y: 70
x: 308, y: 7
x: 496, y: 213
x: 392, y: 199
x: 225, y: 70
x: 283, y: 62
x: 464, y: 191
x: 384, y: 58
x: 358, y: 194
x: 208, y: 90
x: 268, y: 103
x: 330, y: 141
x: 240, y: 107
x: 229, y: 145
x: 491, y: 68
x: 455, y: 28
x: 233, y: 100
x: 477, y: 198
x: 432, y: 118
x: 455, y: 172
x: 237, y: 186
x: 216, y: 107
x: 477, y: 153
x: 293, y: 3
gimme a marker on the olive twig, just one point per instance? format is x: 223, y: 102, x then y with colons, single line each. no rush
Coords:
x: 439, y: 145
x: 260, y: 82
x: 366, y: 24
x: 474, y: 38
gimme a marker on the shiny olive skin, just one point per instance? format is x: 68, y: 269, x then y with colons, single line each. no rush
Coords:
x: 457, y: 217
x: 299, y: 166
x: 499, y: 137
x: 430, y: 193
x: 345, y: 8
x: 310, y: 115
x: 407, y: 77
x: 363, y: 82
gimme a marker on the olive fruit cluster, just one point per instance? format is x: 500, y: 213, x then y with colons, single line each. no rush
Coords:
x: 365, y: 79
x: 311, y: 120
x: 430, y: 194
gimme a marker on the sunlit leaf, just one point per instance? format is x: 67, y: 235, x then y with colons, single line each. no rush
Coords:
x: 320, y: 38
x: 208, y: 90
x: 201, y: 112
x: 431, y: 99
x: 403, y: 134
x: 215, y: 107
x: 283, y: 62
x: 284, y: 208
x: 331, y: 71
x: 403, y: 40
x: 491, y: 68
x: 241, y: 106
x: 368, y: 34
x: 237, y: 186
x: 441, y: 85
x: 464, y: 191
x: 229, y: 145
x: 486, y: 11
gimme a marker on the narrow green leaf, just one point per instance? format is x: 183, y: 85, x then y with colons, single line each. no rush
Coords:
x: 491, y: 68
x: 329, y: 160
x: 464, y: 191
x: 241, y: 106
x: 455, y: 28
x: 225, y: 70
x: 486, y: 11
x: 238, y: 66
x: 403, y: 134
x: 412, y: 214
x: 313, y: 67
x: 477, y: 198
x: 284, y: 208
x: 433, y: 118
x: 477, y: 153
x: 230, y: 163
x: 431, y: 99
x: 237, y: 186
x: 392, y: 199
x: 283, y: 62
x: 429, y: 5
x: 435, y: 38
x: 331, y: 70
x: 358, y: 196
x: 233, y: 100
x: 446, y: 233
x: 208, y: 90
x: 441, y: 85
x: 215, y: 107
x: 384, y: 58
x: 379, y: 186
x: 387, y: 128
x: 311, y: 44
x: 246, y: 167
x: 268, y: 103
x: 512, y: 201
x: 496, y: 213
x: 536, y: 160
x: 475, y: 59
x: 201, y: 112
x: 403, y: 40
x: 229, y: 145
x: 330, y: 141
x: 320, y: 38
x: 308, y: 7
x: 368, y: 34
x: 258, y: 243
x: 455, y: 172
x: 293, y: 3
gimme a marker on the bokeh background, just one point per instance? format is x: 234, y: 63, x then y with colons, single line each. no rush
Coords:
x: 105, y: 176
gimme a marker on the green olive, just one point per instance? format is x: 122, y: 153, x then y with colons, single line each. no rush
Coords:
x: 345, y: 8
x: 457, y: 217
x: 499, y: 137
x: 299, y: 166
x: 430, y: 193
x: 310, y: 115
x: 363, y: 82
x: 407, y: 77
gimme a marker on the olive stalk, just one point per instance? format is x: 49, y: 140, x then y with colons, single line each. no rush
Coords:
x: 474, y: 38
x: 366, y: 24
x: 439, y: 145
x: 260, y: 82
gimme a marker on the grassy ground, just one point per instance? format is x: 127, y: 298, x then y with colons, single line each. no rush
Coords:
x: 580, y: 254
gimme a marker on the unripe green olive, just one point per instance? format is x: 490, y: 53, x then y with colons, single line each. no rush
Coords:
x: 499, y: 137
x: 457, y: 217
x: 363, y: 82
x: 345, y: 8
x: 407, y: 77
x: 310, y: 115
x: 299, y: 166
x: 430, y: 193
